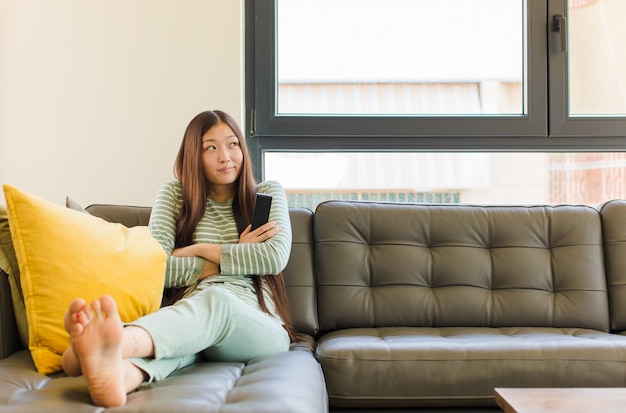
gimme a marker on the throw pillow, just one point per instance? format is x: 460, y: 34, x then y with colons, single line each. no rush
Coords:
x: 64, y: 254
x: 72, y: 204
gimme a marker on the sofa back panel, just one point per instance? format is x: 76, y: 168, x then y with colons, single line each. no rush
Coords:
x: 130, y: 216
x: 613, y: 215
x: 383, y: 264
x: 299, y: 277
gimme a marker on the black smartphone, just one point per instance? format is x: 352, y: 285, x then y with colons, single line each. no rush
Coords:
x: 261, y: 212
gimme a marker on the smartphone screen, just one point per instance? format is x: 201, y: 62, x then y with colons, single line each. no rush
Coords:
x: 261, y: 212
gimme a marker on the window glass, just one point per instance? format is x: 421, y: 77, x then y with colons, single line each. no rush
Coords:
x: 401, y: 57
x: 597, y: 57
x: 459, y: 177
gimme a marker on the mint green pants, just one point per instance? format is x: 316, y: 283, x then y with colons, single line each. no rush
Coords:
x: 213, y: 323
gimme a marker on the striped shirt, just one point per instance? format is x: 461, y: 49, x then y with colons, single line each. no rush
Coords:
x: 217, y: 226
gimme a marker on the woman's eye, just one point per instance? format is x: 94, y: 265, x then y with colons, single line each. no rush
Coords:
x: 234, y: 144
x: 209, y: 148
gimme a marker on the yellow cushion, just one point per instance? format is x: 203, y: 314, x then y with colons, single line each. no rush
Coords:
x: 64, y: 254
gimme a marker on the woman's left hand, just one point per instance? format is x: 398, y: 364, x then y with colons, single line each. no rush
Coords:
x: 261, y: 234
x: 188, y: 251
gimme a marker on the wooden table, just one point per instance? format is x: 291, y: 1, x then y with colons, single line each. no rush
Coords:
x: 571, y: 400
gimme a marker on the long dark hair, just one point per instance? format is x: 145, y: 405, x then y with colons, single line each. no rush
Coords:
x: 190, y: 172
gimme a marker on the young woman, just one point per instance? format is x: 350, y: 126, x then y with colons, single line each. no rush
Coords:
x: 234, y: 306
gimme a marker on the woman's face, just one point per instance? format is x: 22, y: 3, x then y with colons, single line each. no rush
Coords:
x: 221, y: 156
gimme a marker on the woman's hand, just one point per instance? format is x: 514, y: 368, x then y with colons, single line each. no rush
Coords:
x: 210, y: 269
x: 210, y: 252
x: 188, y: 251
x: 207, y: 251
x: 261, y: 234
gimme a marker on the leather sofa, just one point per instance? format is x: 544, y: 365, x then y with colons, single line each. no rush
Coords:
x: 405, y: 305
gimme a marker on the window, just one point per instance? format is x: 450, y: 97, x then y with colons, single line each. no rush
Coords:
x: 587, y: 69
x: 450, y: 177
x: 317, y: 73
x: 535, y: 84
x: 379, y: 64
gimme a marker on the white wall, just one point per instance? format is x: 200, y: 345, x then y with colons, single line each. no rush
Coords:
x: 95, y: 94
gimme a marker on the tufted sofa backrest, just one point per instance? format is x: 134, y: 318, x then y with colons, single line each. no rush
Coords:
x: 299, y: 278
x: 130, y: 216
x: 382, y: 264
x: 299, y: 275
x: 613, y: 215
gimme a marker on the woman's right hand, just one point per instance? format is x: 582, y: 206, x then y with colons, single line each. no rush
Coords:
x: 210, y: 269
x: 210, y: 252
x: 261, y: 234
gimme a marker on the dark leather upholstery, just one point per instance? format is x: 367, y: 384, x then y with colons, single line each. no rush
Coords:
x: 613, y: 215
x: 287, y: 382
x: 393, y: 265
x: 9, y: 339
x: 298, y: 274
x: 436, y: 304
x: 405, y: 305
x: 130, y: 216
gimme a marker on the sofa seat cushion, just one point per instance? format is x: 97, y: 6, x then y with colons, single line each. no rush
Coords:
x: 405, y: 366
x: 286, y: 382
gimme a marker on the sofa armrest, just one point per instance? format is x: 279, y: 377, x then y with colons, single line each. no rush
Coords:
x: 9, y: 339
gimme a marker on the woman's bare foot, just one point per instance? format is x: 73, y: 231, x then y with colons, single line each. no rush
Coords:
x: 96, y: 343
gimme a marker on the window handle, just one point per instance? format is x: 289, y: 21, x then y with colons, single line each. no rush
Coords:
x: 560, y: 26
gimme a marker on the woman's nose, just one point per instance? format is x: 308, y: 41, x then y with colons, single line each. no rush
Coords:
x: 223, y: 155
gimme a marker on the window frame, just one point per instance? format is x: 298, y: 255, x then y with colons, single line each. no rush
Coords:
x: 546, y: 127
